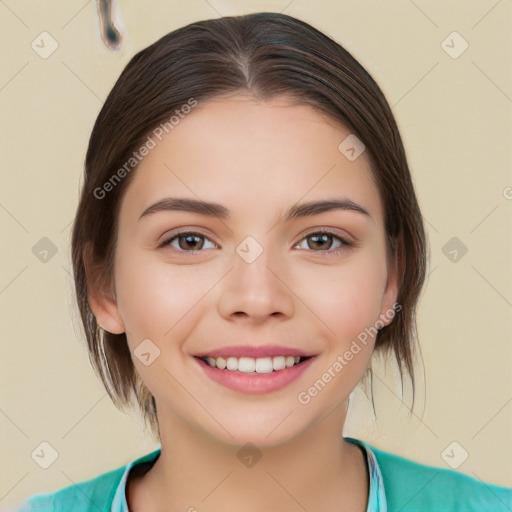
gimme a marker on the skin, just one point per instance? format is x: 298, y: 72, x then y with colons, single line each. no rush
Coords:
x: 257, y: 159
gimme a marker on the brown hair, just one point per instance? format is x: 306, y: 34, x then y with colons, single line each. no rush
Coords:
x: 265, y: 55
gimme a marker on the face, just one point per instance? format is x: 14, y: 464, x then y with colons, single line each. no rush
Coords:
x: 256, y: 278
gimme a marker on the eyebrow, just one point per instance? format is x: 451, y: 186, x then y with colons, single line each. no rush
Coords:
x: 218, y: 211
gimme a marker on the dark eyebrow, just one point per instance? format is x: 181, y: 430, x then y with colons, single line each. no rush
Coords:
x: 188, y: 205
x: 317, y: 207
x: 221, y: 212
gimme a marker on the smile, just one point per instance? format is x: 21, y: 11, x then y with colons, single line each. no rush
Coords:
x: 254, y: 375
x: 253, y: 365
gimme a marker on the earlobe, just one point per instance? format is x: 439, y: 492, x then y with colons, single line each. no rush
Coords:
x: 101, y: 300
x: 105, y: 309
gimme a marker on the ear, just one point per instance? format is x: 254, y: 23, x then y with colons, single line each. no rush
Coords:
x: 101, y: 296
x: 396, y: 267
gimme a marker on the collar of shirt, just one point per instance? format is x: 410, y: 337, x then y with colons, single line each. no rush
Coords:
x: 376, y: 496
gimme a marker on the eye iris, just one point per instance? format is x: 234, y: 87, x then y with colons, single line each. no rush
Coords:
x: 193, y: 242
x: 190, y: 240
x: 324, y: 238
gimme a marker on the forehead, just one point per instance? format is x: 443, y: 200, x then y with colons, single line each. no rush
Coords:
x: 242, y: 152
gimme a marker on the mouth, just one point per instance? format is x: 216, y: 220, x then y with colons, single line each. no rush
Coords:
x: 255, y: 370
x: 255, y: 365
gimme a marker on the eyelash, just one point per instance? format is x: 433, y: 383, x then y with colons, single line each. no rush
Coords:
x: 329, y: 252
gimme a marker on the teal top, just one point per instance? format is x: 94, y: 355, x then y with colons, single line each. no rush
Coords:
x: 396, y: 485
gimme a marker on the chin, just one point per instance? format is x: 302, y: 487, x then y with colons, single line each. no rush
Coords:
x: 262, y: 431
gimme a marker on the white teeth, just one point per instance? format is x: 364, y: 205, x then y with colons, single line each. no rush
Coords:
x: 253, y: 365
x: 232, y: 363
x: 263, y: 365
x: 279, y: 363
x: 246, y: 365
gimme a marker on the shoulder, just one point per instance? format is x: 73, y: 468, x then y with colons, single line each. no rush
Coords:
x: 94, y: 494
x: 411, y: 486
x: 91, y: 494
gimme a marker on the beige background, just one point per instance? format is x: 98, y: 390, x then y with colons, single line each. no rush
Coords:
x: 455, y: 117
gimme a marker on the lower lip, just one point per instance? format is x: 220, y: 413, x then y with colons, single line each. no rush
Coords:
x: 254, y: 383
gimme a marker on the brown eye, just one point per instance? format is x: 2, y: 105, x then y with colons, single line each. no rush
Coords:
x: 187, y: 242
x: 323, y: 242
x: 190, y: 242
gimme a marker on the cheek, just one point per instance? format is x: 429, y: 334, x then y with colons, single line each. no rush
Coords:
x: 155, y: 300
x: 346, y: 302
x: 346, y: 299
x: 162, y: 304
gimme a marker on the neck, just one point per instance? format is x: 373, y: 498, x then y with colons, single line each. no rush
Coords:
x: 316, y: 470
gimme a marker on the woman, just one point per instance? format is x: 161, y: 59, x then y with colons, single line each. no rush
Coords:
x: 248, y: 235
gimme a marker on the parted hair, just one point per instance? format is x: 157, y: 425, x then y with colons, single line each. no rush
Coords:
x: 265, y: 55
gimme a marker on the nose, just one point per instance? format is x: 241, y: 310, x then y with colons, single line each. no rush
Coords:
x: 253, y: 292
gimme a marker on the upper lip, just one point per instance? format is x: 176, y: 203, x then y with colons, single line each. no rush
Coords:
x: 254, y: 351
